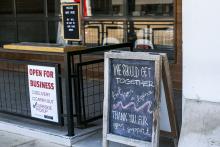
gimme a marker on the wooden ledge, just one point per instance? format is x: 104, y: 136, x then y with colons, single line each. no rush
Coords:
x: 43, y: 47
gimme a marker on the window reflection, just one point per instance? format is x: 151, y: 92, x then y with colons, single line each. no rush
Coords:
x: 30, y: 7
x: 104, y: 7
x: 154, y: 34
x: 6, y: 7
x: 104, y: 33
x: 117, y: 7
x: 151, y: 8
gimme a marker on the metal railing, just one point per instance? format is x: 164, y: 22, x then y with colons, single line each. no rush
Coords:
x: 14, y: 91
x: 90, y: 85
x: 87, y: 80
x: 80, y: 85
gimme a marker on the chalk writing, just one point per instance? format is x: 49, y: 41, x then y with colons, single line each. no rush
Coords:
x: 118, y: 125
x: 129, y: 117
x: 135, y: 82
x: 131, y: 71
x: 135, y: 100
x: 132, y: 98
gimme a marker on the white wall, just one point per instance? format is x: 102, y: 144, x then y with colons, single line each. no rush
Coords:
x: 201, y: 49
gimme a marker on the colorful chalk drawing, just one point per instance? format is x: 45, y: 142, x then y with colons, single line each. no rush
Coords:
x: 147, y: 104
x: 135, y: 100
x: 119, y: 94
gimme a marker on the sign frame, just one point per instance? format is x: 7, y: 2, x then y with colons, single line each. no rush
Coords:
x: 58, y: 92
x: 107, y: 136
x: 169, y: 97
x: 79, y: 21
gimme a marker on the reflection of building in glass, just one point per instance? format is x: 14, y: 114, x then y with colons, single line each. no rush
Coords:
x: 136, y: 7
x: 123, y: 20
x: 29, y: 21
x: 152, y: 8
x: 148, y: 22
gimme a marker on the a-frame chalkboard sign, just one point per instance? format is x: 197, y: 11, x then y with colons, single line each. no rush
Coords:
x: 71, y: 21
x: 132, y: 99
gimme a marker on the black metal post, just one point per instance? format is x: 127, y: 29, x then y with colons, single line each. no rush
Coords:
x: 78, y: 93
x: 69, y: 100
x: 78, y: 96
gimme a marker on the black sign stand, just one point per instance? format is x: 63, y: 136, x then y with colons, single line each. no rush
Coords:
x: 132, y: 99
x: 71, y: 21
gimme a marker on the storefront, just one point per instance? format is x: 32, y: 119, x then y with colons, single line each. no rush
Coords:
x: 149, y: 24
x: 153, y: 25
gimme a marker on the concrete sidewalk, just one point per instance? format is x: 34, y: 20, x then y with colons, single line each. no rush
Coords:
x: 14, y: 140
x: 201, y: 124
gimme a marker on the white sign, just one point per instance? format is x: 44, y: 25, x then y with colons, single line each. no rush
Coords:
x: 43, y: 93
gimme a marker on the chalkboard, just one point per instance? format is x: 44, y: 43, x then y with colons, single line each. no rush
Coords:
x: 71, y: 21
x: 132, y: 98
x: 131, y: 103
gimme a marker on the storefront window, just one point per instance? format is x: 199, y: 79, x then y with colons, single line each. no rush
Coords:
x: 150, y: 8
x: 28, y: 20
x: 30, y: 7
x: 148, y: 24
x: 53, y: 7
x: 6, y: 7
x: 105, y: 7
x: 107, y: 33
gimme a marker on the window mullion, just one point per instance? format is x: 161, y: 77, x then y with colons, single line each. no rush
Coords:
x: 46, y: 21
